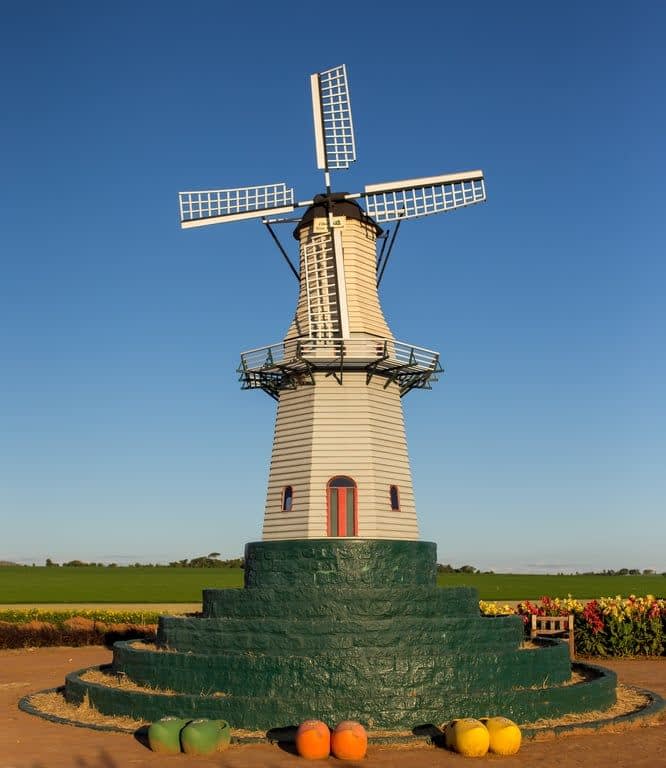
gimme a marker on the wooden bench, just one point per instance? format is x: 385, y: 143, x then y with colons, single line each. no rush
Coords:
x: 557, y: 626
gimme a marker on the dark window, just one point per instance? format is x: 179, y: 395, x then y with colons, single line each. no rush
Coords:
x: 395, y: 498
x: 334, y: 514
x: 342, y: 482
x: 287, y: 498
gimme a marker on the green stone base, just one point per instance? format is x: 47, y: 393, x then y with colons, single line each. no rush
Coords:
x: 339, y: 629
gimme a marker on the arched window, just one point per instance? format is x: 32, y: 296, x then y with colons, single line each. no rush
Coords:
x: 395, y: 498
x: 341, y: 506
x: 287, y: 498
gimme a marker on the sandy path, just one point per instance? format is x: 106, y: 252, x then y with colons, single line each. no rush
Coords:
x: 30, y: 742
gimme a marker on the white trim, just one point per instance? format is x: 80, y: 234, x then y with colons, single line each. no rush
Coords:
x: 342, y: 285
x: 318, y: 121
x: 233, y: 217
x: 389, y: 186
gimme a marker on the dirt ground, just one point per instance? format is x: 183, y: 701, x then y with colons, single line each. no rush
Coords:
x: 30, y: 742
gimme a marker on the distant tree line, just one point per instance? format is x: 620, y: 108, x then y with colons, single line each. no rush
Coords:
x: 441, y: 568
x: 608, y: 572
x: 621, y: 572
x: 207, y: 561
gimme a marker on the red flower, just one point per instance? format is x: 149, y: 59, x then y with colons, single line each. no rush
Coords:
x: 593, y: 617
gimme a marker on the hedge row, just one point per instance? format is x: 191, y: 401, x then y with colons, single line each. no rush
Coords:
x: 35, y: 628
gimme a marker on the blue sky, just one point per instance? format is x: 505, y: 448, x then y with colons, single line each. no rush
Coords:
x: 123, y: 432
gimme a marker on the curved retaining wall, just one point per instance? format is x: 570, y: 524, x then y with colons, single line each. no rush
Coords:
x: 342, y: 629
x: 401, y: 711
x: 380, y: 670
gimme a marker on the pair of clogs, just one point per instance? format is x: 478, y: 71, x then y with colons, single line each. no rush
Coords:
x: 171, y: 735
x: 474, y: 738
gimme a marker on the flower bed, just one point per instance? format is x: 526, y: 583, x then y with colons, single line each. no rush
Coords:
x: 37, y: 628
x: 609, y: 626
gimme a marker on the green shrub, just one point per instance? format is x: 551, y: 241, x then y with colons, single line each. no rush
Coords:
x: 35, y: 628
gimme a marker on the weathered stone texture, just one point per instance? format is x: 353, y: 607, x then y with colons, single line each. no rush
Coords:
x: 343, y: 629
x: 342, y: 562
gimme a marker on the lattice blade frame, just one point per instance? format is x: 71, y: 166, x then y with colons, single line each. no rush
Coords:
x: 211, y: 206
x: 412, y: 198
x: 333, y: 125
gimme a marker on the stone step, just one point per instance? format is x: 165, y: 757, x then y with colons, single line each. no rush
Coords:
x: 340, y: 603
x: 357, y: 669
x: 307, y: 636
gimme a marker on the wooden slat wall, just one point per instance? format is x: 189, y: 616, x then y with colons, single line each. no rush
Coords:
x: 290, y: 465
x: 353, y: 429
x: 360, y: 257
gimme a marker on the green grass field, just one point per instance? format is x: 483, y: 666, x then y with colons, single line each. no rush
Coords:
x: 184, y: 585
x: 509, y: 586
x: 112, y: 585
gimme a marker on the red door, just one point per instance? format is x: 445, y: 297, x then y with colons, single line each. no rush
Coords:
x: 342, y: 511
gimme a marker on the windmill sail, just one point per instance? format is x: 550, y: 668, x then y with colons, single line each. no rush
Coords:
x: 334, y: 129
x: 412, y: 198
x: 213, y: 206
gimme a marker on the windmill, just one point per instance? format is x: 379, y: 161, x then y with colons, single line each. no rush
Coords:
x: 339, y: 599
x: 339, y: 465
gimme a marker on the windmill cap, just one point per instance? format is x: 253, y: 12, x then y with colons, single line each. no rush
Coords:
x: 338, y: 206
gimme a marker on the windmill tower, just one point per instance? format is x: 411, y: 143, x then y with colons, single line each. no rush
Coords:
x: 339, y: 465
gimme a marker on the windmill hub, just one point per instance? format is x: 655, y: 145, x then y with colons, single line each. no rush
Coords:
x: 330, y: 197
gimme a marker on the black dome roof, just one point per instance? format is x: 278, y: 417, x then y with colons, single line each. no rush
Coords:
x: 338, y: 206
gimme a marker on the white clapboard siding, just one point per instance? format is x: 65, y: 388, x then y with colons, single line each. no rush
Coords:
x: 360, y: 257
x: 360, y: 434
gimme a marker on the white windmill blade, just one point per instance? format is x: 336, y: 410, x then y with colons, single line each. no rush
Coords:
x: 331, y: 109
x: 215, y: 206
x: 412, y: 198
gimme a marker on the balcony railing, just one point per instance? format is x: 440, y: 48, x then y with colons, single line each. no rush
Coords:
x: 279, y: 366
